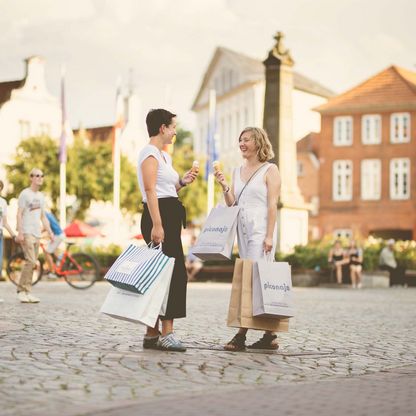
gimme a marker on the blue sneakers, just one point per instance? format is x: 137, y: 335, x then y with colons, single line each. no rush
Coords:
x: 170, y: 343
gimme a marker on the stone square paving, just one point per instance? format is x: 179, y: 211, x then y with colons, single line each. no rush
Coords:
x: 61, y: 357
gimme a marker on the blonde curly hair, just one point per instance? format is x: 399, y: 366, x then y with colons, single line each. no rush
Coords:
x: 262, y: 141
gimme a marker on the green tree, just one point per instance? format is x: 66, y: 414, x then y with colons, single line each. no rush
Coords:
x: 40, y: 152
x: 89, y: 172
x: 194, y: 196
x: 183, y: 137
x: 90, y: 176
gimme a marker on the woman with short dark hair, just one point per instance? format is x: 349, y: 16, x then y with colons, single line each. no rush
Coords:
x: 162, y: 220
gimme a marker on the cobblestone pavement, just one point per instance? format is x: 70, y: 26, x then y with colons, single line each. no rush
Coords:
x: 62, y: 357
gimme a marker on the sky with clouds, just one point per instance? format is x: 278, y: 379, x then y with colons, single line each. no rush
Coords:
x: 169, y: 43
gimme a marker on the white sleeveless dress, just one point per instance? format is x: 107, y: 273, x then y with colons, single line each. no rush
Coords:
x: 252, y: 218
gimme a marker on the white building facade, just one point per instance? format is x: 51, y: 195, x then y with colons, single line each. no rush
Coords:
x: 27, y: 109
x: 239, y: 82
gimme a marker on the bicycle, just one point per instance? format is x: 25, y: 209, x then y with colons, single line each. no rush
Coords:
x: 80, y: 270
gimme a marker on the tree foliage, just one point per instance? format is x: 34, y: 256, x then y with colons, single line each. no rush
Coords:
x: 193, y: 196
x: 39, y: 152
x: 89, y: 172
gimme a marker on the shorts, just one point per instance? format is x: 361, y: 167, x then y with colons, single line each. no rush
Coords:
x: 53, y: 245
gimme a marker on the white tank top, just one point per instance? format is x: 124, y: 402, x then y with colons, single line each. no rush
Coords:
x: 255, y: 193
x: 167, y: 177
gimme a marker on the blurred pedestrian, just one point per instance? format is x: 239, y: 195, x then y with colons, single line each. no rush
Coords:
x: 53, y: 245
x: 192, y: 263
x: 3, y: 224
x: 337, y: 258
x: 256, y: 226
x: 30, y: 215
x: 387, y: 261
x: 355, y: 255
x: 162, y: 220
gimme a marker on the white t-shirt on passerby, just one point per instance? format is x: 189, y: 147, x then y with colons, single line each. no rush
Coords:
x: 33, y: 205
x: 3, y: 212
x: 167, y: 177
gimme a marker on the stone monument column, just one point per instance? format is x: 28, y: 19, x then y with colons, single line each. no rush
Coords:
x: 278, y: 119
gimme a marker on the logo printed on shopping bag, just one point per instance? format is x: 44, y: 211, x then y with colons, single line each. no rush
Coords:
x: 127, y: 267
x: 283, y: 287
x: 215, y: 229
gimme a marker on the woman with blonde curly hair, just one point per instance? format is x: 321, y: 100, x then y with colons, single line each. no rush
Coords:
x: 257, y: 227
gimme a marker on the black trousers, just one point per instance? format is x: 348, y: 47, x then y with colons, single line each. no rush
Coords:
x: 397, y: 275
x: 173, y: 217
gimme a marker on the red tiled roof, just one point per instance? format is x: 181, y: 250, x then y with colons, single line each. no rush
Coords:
x: 6, y: 89
x: 96, y: 134
x: 308, y: 144
x: 392, y: 88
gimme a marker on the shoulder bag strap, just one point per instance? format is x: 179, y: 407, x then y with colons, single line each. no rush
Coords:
x: 251, y: 177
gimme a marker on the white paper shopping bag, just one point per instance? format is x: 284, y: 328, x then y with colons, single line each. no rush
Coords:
x: 142, y: 308
x: 272, y: 289
x: 216, y: 240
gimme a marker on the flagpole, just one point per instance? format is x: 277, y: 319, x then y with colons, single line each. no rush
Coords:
x: 117, y: 158
x: 211, y: 149
x: 62, y: 195
x: 62, y: 156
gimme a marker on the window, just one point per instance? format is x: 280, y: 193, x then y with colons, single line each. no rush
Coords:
x: 24, y: 129
x: 230, y: 133
x: 370, y: 179
x: 231, y: 78
x: 343, y: 131
x: 237, y: 123
x: 400, y: 178
x: 371, y: 129
x: 44, y: 129
x: 217, y: 85
x: 342, y: 180
x: 299, y: 166
x: 343, y: 233
x: 222, y: 130
x: 246, y: 121
x: 223, y: 81
x: 400, y: 128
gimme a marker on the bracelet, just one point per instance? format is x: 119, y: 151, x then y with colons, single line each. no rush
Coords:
x: 227, y: 190
x: 182, y: 183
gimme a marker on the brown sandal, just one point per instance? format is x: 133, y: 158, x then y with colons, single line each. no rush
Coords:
x: 266, y: 342
x: 238, y: 343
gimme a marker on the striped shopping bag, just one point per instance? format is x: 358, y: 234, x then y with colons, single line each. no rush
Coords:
x: 137, y: 268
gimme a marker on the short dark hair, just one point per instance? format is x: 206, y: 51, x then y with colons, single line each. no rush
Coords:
x: 155, y: 119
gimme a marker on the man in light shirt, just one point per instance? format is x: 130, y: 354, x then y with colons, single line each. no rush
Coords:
x: 30, y: 215
x: 388, y: 262
x: 5, y: 224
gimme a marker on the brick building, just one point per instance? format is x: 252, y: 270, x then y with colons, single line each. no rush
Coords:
x: 367, y: 156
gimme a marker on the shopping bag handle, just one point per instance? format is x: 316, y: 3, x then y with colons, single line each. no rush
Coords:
x: 268, y: 256
x: 155, y: 246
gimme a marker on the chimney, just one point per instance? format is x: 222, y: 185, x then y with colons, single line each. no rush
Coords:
x: 35, y: 73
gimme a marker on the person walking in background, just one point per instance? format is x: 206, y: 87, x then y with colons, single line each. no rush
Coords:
x: 388, y: 262
x: 30, y: 215
x: 193, y: 264
x: 336, y: 257
x: 59, y: 236
x: 3, y: 224
x: 256, y: 226
x: 355, y: 255
x: 162, y: 220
